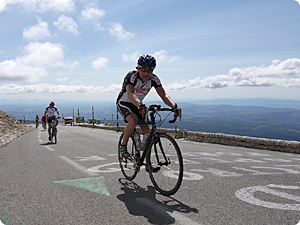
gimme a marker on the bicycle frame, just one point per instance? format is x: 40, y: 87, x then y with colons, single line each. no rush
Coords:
x: 153, y: 131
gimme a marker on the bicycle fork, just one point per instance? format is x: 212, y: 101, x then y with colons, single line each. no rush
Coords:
x: 166, y: 160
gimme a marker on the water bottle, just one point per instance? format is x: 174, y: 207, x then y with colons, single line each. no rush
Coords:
x: 144, y: 141
x: 137, y: 140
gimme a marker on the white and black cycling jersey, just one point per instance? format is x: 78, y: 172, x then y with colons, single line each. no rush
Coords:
x: 140, y: 89
x: 50, y: 111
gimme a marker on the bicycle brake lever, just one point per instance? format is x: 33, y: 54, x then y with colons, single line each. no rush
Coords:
x: 173, y: 120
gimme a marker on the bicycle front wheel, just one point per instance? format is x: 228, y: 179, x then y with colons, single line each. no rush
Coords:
x: 55, y: 138
x: 129, y: 166
x: 165, y: 164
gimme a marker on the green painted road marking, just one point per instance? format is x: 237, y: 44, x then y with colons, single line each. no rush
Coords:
x: 31, y: 216
x: 94, y: 184
x: 3, y: 219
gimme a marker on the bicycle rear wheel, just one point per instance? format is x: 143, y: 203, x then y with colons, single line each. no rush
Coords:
x: 165, y: 162
x: 129, y: 166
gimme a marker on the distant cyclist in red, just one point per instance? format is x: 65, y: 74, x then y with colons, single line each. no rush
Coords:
x: 136, y: 86
x: 44, y: 121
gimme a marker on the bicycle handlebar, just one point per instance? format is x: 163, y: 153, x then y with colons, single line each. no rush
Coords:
x: 157, y: 108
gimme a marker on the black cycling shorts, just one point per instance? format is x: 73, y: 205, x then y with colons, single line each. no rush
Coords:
x: 127, y: 108
x: 50, y: 119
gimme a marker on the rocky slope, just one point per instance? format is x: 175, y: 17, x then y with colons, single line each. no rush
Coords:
x: 10, y: 128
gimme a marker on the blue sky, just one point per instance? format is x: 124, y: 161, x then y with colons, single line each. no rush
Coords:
x: 82, y: 49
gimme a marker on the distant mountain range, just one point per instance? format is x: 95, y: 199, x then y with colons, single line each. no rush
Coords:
x: 275, y: 119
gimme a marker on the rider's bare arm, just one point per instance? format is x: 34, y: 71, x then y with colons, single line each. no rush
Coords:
x: 166, y: 98
x: 131, y: 96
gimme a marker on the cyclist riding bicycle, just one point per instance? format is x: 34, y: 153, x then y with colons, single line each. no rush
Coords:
x: 37, y: 121
x: 44, y: 119
x: 49, y: 113
x: 136, y: 86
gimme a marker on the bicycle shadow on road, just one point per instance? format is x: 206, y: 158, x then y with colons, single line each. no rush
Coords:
x: 143, y: 202
x: 48, y: 143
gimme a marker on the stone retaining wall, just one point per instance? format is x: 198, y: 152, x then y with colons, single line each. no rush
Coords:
x: 227, y: 139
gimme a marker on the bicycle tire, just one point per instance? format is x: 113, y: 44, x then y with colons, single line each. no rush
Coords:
x: 129, y: 166
x: 168, y: 178
x: 52, y: 135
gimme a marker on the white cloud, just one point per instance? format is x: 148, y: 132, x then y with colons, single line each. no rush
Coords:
x: 62, y: 79
x: 66, y: 23
x: 130, y: 58
x: 16, y: 71
x: 162, y: 56
x: 117, y: 30
x: 100, y: 63
x: 279, y: 74
x: 32, y: 66
x: 98, y: 27
x: 92, y: 13
x: 37, y: 32
x: 56, y: 89
x: 40, y: 5
x: 43, y: 54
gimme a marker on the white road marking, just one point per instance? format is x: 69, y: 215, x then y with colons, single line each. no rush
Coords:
x: 49, y: 148
x: 255, y: 172
x: 219, y: 173
x: 247, y: 195
x: 275, y: 168
x: 89, y: 158
x: 179, y: 217
x: 98, y: 169
x: 77, y: 166
x: 188, y: 176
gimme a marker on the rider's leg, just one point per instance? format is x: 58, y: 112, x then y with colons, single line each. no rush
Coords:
x: 145, y: 128
x: 132, y: 123
x: 56, y: 123
x: 49, y: 126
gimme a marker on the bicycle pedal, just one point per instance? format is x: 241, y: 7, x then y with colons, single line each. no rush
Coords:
x: 156, y: 169
x: 153, y: 168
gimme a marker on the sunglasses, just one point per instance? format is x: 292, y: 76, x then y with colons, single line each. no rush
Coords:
x: 148, y: 71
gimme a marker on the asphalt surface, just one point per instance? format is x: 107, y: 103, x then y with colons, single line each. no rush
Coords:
x: 78, y: 181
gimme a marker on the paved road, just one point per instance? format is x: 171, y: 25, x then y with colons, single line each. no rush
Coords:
x: 78, y: 181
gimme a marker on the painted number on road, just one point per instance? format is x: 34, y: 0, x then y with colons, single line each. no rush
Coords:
x: 247, y: 195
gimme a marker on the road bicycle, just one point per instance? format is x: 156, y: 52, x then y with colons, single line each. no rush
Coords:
x: 163, y: 157
x: 53, y: 130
